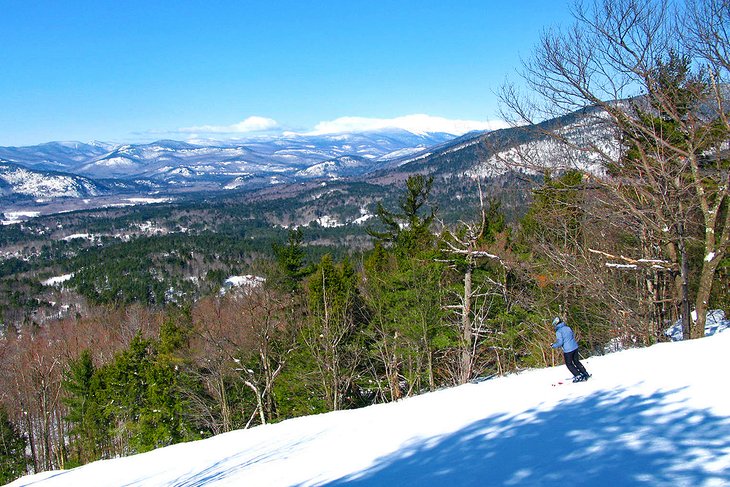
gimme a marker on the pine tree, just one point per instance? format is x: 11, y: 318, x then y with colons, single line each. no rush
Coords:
x: 291, y: 259
x: 88, y: 424
x: 13, y: 462
x: 402, y: 291
x: 409, y: 229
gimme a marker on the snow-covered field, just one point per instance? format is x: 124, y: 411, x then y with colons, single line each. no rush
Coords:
x: 654, y: 416
x: 57, y: 280
x: 18, y: 216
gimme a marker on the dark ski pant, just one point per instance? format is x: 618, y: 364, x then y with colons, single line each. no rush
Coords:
x: 573, y: 364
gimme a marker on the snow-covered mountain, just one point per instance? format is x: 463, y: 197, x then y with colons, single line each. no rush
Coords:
x: 170, y: 165
x: 527, y: 149
x: 39, y: 184
x: 653, y: 416
x: 285, y: 153
x: 342, y: 166
x: 55, y: 156
x: 383, y: 156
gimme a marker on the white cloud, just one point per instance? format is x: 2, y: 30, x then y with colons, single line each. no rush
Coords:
x: 251, y: 124
x: 417, y: 123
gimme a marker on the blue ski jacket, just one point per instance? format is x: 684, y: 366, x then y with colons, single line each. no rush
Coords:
x: 565, y: 338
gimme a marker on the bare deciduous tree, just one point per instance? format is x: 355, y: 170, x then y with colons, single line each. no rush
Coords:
x: 651, y: 96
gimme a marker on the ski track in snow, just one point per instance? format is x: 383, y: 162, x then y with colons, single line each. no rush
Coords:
x: 653, y: 416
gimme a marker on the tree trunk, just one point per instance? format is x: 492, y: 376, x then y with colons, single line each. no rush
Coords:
x: 225, y: 409
x: 704, y: 290
x: 466, y: 333
x: 684, y: 275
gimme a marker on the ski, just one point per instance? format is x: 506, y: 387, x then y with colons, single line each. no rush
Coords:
x: 570, y: 380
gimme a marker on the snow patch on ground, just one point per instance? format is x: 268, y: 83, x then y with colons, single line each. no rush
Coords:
x: 246, y: 282
x: 57, y: 280
x: 76, y: 236
x: 715, y: 322
x: 365, y: 216
x: 147, y: 201
x: 327, y: 221
x: 12, y: 217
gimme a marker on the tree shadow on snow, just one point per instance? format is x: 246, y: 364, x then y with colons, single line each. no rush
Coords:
x: 604, y: 439
x: 228, y: 467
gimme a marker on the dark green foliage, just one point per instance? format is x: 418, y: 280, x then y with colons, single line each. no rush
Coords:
x: 20, y: 296
x: 410, y: 228
x: 10, y: 234
x: 407, y: 327
x: 402, y: 287
x: 86, y: 416
x: 299, y: 390
x: 13, y: 462
x: 175, y: 333
x: 556, y: 213
x: 721, y: 290
x: 136, y: 401
x: 13, y: 266
x: 292, y: 260
x: 144, y: 387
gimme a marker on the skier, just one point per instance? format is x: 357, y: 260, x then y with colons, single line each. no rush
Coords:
x: 566, y: 340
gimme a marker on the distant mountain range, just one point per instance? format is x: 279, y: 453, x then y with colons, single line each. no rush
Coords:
x: 75, y: 169
x: 62, y: 170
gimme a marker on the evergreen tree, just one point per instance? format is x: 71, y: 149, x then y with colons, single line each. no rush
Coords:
x: 402, y: 291
x: 88, y: 424
x: 291, y: 259
x: 556, y: 213
x: 406, y: 328
x: 164, y: 420
x: 13, y: 462
x: 410, y: 228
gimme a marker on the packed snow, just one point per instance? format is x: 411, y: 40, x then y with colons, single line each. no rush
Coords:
x: 652, y: 416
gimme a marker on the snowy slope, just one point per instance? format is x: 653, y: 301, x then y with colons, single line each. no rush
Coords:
x: 46, y: 184
x: 335, y: 168
x: 592, y: 142
x: 655, y: 416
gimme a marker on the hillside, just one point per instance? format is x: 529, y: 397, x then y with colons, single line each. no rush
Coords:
x: 654, y: 416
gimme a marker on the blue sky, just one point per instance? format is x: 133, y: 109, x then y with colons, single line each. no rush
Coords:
x: 142, y: 70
